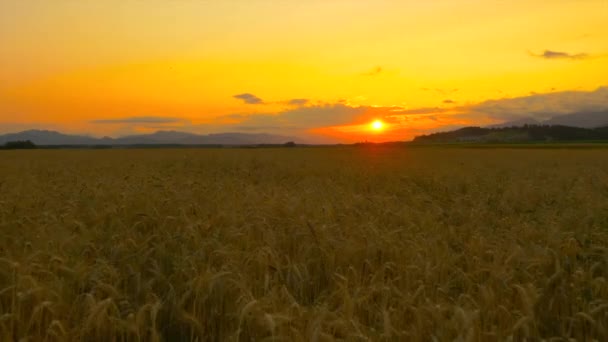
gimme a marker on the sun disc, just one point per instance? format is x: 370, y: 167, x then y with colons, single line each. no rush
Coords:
x: 377, y: 125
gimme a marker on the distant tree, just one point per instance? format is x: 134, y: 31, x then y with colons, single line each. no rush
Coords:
x: 532, y: 132
x: 19, y: 145
x: 289, y: 144
x: 602, y: 132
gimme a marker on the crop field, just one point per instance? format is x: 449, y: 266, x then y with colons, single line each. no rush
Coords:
x: 304, y: 244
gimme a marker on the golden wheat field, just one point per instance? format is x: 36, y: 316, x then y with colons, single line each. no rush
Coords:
x: 305, y: 244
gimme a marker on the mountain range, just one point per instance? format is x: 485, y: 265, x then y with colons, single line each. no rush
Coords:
x: 50, y: 138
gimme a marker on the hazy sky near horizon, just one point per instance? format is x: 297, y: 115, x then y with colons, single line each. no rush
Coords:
x: 323, y: 69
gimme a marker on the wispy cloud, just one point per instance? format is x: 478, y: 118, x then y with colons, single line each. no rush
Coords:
x: 440, y: 91
x: 549, y: 54
x: 374, y: 72
x: 139, y: 120
x: 303, y: 118
x: 422, y: 110
x: 249, y: 98
x: 298, y: 102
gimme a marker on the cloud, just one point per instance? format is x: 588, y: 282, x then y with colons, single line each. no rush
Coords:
x: 306, y: 118
x: 549, y: 54
x: 298, y: 102
x: 374, y: 72
x: 303, y: 118
x: 543, y: 106
x: 448, y: 101
x: 139, y: 120
x: 422, y: 110
x: 249, y: 98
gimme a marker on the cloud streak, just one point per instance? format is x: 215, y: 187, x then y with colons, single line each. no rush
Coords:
x: 249, y: 98
x: 555, y: 55
x: 298, y: 102
x: 139, y: 120
x: 303, y: 118
x: 423, y: 110
x: 374, y: 72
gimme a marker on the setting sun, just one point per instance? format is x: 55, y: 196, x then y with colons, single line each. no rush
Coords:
x: 377, y: 125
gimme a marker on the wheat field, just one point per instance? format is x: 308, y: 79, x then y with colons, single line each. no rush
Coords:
x: 305, y: 244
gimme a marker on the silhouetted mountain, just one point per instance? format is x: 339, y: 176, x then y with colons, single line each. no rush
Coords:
x: 158, y: 138
x: 527, y: 133
x: 50, y: 138
x: 40, y: 137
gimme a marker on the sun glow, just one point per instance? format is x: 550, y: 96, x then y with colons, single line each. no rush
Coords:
x: 377, y: 125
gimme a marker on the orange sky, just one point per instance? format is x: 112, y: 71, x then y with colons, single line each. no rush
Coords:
x: 319, y: 69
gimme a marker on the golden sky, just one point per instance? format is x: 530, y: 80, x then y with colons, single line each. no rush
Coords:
x: 320, y: 69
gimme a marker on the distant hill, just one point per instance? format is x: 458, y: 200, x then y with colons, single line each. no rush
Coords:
x: 52, y: 138
x: 583, y: 126
x: 40, y: 137
x: 527, y: 133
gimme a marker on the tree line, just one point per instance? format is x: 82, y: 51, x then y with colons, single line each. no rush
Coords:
x: 19, y: 145
x: 532, y: 133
